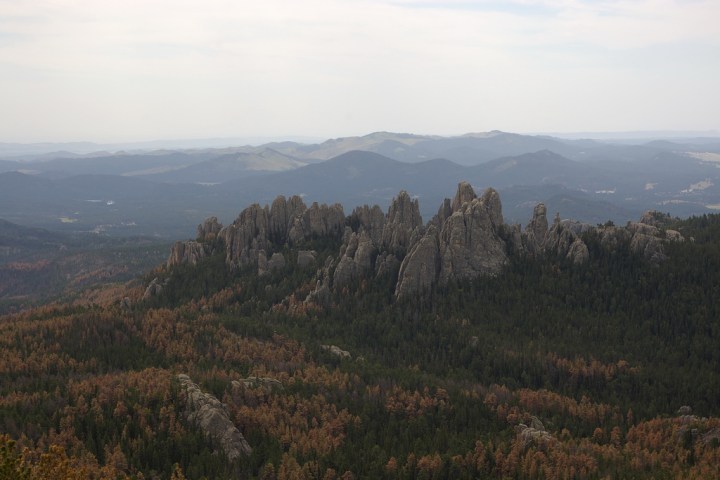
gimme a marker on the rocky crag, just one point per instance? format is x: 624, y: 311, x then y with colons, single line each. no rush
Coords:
x: 466, y: 239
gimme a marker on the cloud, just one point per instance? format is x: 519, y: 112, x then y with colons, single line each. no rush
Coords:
x: 341, y: 66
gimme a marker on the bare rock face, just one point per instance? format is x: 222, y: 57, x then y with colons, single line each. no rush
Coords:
x: 562, y: 239
x: 247, y: 235
x: 210, y: 415
x: 467, y: 244
x: 645, y: 237
x: 402, y: 218
x: 356, y: 259
x: 323, y: 220
x: 470, y: 244
x: 464, y: 194
x: 536, y: 231
x: 286, y: 222
x: 564, y: 242
x: 283, y: 215
x: 444, y: 212
x: 208, y: 230
x: 420, y: 268
x: 371, y: 220
x: 186, y: 252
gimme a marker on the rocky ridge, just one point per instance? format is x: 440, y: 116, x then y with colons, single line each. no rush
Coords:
x: 466, y: 239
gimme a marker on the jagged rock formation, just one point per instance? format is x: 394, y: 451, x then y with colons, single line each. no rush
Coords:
x: 371, y: 220
x: 186, y: 252
x: 208, y: 413
x: 466, y: 239
x: 420, y: 269
x: 470, y: 244
x: 646, y: 239
x: 208, y: 230
x: 260, y: 230
x: 561, y: 239
x: 402, y: 219
x: 466, y: 244
x: 356, y: 259
x: 536, y: 231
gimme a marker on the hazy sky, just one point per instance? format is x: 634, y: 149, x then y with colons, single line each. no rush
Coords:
x: 125, y: 70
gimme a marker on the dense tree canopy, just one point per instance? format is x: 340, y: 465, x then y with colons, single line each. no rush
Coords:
x: 548, y: 370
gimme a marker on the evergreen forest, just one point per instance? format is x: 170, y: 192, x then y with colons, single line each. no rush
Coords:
x: 548, y: 370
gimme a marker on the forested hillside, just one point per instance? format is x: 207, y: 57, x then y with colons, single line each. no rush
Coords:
x: 551, y: 368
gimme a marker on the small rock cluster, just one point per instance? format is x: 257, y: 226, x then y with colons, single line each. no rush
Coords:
x: 210, y: 415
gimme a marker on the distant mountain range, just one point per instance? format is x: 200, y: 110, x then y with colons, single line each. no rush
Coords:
x: 167, y: 192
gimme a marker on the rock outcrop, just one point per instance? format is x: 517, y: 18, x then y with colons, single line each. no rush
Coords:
x: 562, y: 239
x: 356, y: 259
x: 420, y: 268
x: 402, y: 219
x: 371, y: 220
x: 208, y: 230
x: 466, y: 239
x: 462, y: 243
x: 470, y: 244
x: 210, y: 415
x: 190, y: 252
x: 258, y: 231
x: 646, y: 237
x: 536, y: 231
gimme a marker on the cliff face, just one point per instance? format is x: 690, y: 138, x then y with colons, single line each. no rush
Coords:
x: 466, y: 239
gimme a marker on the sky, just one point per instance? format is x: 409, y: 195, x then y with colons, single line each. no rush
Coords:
x: 138, y: 70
